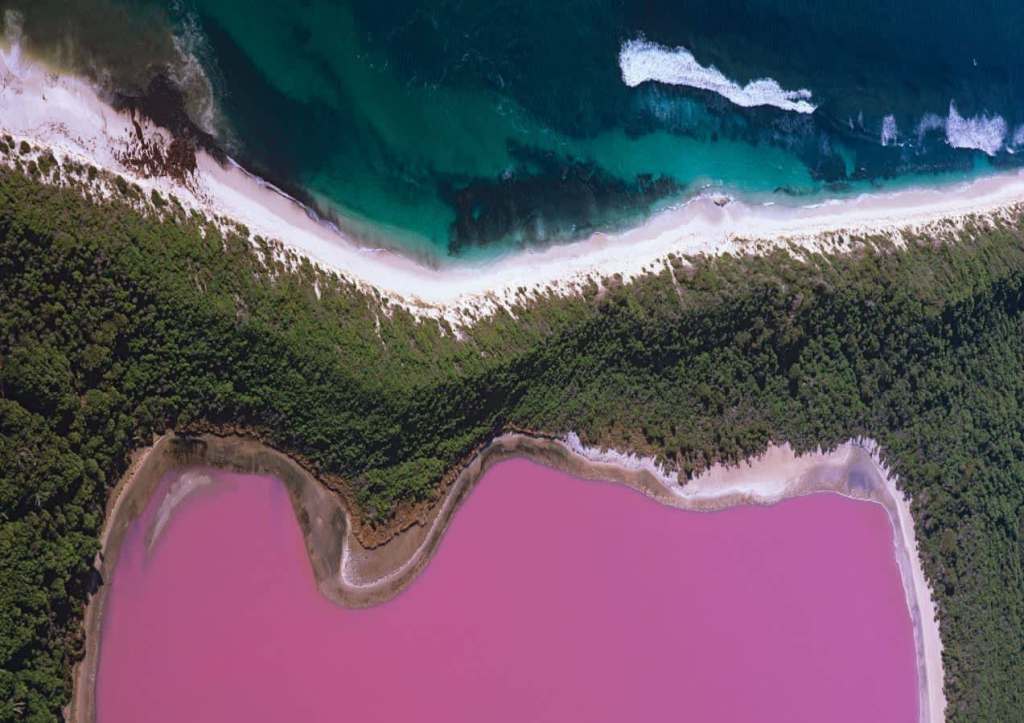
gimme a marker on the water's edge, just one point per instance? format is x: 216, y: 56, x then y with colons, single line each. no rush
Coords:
x: 67, y: 118
x: 354, y: 576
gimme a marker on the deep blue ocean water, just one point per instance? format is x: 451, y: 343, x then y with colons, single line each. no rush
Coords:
x: 470, y: 127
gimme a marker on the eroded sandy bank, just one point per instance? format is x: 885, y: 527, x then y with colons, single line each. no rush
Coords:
x: 352, y: 575
x: 67, y: 115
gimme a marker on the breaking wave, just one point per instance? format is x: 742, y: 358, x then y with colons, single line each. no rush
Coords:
x: 985, y: 133
x: 191, y: 77
x: 889, y: 131
x: 982, y: 132
x: 1018, y: 137
x: 640, y: 61
x: 12, y: 24
x: 930, y: 122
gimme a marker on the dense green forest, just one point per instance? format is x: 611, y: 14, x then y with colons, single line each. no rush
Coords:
x: 125, y: 317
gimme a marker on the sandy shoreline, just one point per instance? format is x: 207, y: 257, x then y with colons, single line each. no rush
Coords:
x: 67, y: 115
x: 351, y: 575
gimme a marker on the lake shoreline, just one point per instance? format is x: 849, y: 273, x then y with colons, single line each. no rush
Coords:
x: 355, y: 576
x: 68, y: 117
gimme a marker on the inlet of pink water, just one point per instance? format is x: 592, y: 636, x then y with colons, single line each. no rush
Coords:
x: 550, y: 599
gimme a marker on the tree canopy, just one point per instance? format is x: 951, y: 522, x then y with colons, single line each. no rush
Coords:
x: 125, y: 317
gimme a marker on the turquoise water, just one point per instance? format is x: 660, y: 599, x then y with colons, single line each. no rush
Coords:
x: 468, y: 128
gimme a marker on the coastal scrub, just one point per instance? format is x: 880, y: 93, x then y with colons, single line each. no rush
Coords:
x: 122, y: 318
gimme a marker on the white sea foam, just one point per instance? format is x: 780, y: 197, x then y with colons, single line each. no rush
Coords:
x: 641, y: 61
x: 1018, y: 137
x: 982, y: 132
x: 191, y: 76
x: 889, y: 131
x: 12, y: 38
x: 930, y: 122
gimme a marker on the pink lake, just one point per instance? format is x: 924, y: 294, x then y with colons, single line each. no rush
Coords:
x: 550, y: 599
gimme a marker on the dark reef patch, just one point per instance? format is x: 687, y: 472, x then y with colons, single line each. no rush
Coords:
x: 548, y: 198
x: 163, y: 102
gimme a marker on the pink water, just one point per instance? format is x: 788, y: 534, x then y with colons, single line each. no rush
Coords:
x: 550, y: 599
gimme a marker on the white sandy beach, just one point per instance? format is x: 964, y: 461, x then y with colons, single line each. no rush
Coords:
x: 68, y: 116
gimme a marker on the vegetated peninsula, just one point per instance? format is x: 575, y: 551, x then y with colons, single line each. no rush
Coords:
x: 127, y: 313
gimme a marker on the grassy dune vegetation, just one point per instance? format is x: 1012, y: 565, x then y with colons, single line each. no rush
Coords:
x: 125, y: 317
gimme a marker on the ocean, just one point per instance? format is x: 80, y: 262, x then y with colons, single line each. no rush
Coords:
x: 463, y: 129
